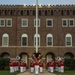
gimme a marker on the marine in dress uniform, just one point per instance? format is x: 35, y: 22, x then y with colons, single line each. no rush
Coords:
x: 11, y: 67
x: 36, y: 67
x: 48, y: 67
x: 62, y: 65
x: 41, y: 66
x: 52, y: 66
x: 22, y: 67
x: 32, y: 66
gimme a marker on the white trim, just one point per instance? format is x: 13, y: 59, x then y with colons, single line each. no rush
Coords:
x: 51, y: 21
x: 49, y: 35
x: 68, y: 35
x: 24, y: 35
x: 22, y: 22
x: 35, y: 23
x: 66, y: 22
x: 7, y: 22
x: 0, y: 22
x: 69, y: 23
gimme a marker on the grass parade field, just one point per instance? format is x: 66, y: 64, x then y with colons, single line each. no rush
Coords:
x: 7, y: 73
x: 71, y: 72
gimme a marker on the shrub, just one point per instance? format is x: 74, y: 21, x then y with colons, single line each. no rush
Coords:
x: 4, y: 62
x: 70, y: 63
x: 6, y: 68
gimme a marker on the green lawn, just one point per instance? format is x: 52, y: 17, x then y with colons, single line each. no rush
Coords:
x: 7, y: 73
x: 66, y: 73
x: 57, y: 73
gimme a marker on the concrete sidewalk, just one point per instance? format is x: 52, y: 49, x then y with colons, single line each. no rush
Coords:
x: 45, y: 72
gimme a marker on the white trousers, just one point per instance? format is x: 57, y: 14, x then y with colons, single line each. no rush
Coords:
x: 41, y: 69
x: 51, y: 69
x: 62, y: 69
x: 32, y: 69
x: 21, y: 69
x: 11, y: 69
x: 36, y: 69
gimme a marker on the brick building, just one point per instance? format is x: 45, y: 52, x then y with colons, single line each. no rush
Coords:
x: 56, y: 31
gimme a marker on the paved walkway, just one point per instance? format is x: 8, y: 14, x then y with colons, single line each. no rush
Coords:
x: 29, y: 73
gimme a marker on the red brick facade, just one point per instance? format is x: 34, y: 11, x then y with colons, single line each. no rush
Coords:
x: 57, y: 13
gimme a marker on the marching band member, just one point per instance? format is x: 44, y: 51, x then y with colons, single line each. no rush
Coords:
x: 52, y: 66
x: 41, y: 66
x: 62, y: 66
x: 21, y: 67
x: 11, y: 67
x: 48, y: 66
x: 32, y: 66
x: 36, y: 67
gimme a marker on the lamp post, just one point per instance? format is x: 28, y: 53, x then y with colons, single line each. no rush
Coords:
x: 36, y: 26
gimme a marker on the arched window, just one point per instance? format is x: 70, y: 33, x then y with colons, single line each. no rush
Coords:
x: 37, y: 40
x: 5, y: 40
x: 68, y: 40
x: 49, y: 40
x: 24, y: 40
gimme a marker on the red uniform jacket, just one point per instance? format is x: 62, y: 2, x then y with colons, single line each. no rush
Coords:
x: 62, y: 63
x: 52, y: 64
x: 41, y: 64
x: 31, y: 64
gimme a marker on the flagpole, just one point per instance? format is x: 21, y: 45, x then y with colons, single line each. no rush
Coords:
x: 36, y: 26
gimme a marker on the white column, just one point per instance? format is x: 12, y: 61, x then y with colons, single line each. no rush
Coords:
x: 36, y: 26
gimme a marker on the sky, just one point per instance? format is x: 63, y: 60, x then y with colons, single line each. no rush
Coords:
x: 42, y: 2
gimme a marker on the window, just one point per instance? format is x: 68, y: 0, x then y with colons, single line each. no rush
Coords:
x: 24, y: 40
x: 35, y: 22
x: 49, y: 22
x: 49, y: 40
x: 45, y: 12
x: 38, y: 40
x: 68, y: 40
x: 9, y: 22
x: 2, y: 22
x: 24, y: 22
x: 64, y: 22
x: 5, y: 40
x: 71, y: 22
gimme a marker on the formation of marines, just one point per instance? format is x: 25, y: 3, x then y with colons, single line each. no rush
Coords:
x: 57, y: 65
x: 37, y: 65
x: 16, y: 66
